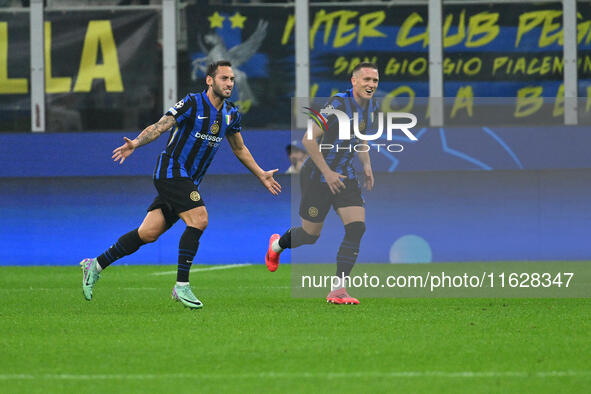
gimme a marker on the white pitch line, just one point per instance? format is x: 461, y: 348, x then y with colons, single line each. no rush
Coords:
x: 214, y: 268
x: 209, y: 288
x: 291, y: 375
x: 144, y: 288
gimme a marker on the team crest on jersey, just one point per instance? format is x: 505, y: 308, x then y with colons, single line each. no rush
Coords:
x: 195, y: 196
x: 362, y: 125
x: 313, y: 212
x: 179, y: 105
x: 215, y: 128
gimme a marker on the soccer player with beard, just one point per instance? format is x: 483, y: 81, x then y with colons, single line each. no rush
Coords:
x: 329, y: 179
x: 199, y: 123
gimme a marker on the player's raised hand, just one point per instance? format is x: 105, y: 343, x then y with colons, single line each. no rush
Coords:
x: 270, y: 183
x: 124, y: 151
x: 334, y: 181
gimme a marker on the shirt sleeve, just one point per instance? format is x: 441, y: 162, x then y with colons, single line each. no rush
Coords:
x: 235, y: 123
x: 182, y: 110
x: 331, y: 120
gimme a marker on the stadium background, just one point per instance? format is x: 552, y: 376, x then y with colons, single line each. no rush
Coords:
x: 466, y: 192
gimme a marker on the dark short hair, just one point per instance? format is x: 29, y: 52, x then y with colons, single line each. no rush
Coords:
x: 213, y: 67
x: 363, y: 65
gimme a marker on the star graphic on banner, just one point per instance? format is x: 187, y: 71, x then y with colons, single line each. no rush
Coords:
x: 216, y: 20
x: 237, y: 20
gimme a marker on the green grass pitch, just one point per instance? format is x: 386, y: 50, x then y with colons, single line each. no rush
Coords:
x: 251, y: 336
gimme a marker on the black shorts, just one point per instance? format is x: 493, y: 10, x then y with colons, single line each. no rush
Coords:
x: 317, y: 198
x: 175, y: 196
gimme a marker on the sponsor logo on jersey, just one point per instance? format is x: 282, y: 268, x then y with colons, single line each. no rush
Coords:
x: 208, y: 137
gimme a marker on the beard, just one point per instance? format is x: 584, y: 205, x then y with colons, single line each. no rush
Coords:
x: 219, y: 92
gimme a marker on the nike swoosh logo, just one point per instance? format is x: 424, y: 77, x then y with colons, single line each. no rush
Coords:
x: 192, y: 302
x: 201, y: 117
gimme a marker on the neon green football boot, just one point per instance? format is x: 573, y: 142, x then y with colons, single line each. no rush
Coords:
x: 184, y: 295
x: 90, y: 276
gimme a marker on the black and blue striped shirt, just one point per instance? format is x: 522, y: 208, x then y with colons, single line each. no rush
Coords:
x: 196, y: 137
x: 340, y: 157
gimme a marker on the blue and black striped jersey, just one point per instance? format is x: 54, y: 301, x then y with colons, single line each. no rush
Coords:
x: 196, y: 137
x: 340, y: 157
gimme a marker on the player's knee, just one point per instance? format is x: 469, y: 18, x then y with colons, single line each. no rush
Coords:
x: 354, y: 231
x: 202, y: 224
x: 197, y: 222
x: 149, y: 235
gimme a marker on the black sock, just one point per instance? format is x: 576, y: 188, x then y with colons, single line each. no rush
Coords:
x: 285, y: 240
x: 126, y: 245
x: 346, y: 258
x: 295, y: 237
x: 187, y: 249
x: 349, y: 249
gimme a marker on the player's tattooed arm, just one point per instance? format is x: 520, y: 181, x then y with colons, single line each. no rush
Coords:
x: 154, y: 131
x: 148, y: 135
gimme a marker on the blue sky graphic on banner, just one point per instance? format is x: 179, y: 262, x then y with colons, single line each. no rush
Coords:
x: 255, y: 66
x: 262, y: 66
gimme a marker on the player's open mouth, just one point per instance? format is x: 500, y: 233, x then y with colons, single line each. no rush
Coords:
x: 369, y: 91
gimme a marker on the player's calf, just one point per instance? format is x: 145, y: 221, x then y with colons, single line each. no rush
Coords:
x: 349, y: 249
x: 127, y: 244
x: 292, y: 238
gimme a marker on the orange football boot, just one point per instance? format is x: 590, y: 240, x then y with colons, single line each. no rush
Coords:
x: 272, y: 257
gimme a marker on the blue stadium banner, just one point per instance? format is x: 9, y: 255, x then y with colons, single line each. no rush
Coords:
x: 261, y: 50
x: 101, y: 69
x: 500, y: 50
